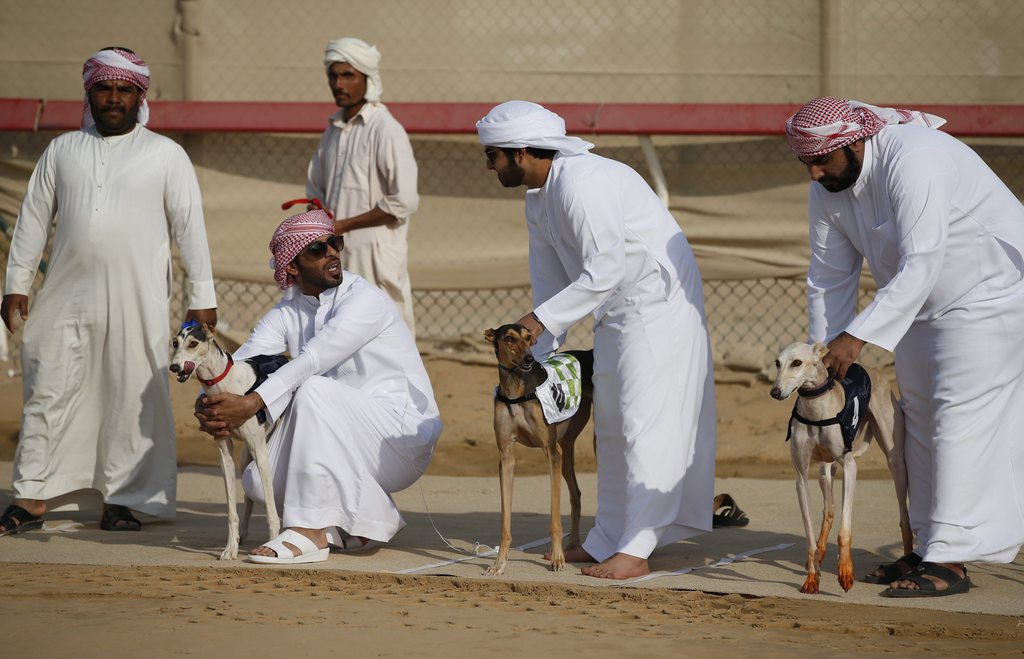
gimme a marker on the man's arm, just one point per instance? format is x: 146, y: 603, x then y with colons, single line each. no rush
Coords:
x: 183, y: 205
x: 31, y: 232
x: 594, y: 211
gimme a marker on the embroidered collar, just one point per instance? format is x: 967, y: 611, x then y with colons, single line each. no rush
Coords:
x: 227, y: 369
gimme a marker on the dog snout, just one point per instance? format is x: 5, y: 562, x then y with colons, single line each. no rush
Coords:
x: 777, y: 394
x: 175, y: 368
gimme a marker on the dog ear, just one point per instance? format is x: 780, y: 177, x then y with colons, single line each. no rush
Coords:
x: 489, y: 335
x: 820, y: 350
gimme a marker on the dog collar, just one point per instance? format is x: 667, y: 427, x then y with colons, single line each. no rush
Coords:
x: 210, y: 383
x: 814, y: 393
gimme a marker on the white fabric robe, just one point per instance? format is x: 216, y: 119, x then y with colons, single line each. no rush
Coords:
x: 358, y: 420
x: 944, y: 240
x: 360, y: 165
x: 602, y: 244
x: 97, y: 411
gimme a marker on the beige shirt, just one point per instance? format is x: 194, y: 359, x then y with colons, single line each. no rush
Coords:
x: 362, y: 164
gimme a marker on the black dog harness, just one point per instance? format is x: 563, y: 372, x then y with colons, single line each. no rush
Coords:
x: 857, y: 388
x: 264, y: 366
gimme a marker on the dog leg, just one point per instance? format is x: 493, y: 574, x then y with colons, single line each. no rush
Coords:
x: 554, y: 452
x: 826, y: 471
x: 892, y: 441
x: 256, y: 440
x: 245, y: 458
x: 846, y: 523
x: 813, y: 574
x: 506, y: 465
x: 568, y: 444
x: 227, y: 466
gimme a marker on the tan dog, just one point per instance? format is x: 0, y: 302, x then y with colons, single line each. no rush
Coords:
x: 518, y: 417
x: 815, y: 435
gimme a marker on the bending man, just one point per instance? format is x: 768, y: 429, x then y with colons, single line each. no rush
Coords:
x: 944, y: 240
x: 357, y: 414
x: 602, y: 244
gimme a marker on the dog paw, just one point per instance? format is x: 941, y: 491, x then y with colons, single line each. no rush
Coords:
x: 846, y: 579
x: 229, y: 554
x: 494, y: 571
x: 810, y: 586
x: 557, y: 566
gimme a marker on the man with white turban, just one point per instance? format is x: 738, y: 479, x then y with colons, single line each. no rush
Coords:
x: 944, y: 240
x: 365, y: 174
x: 602, y: 244
x: 357, y: 417
x: 97, y: 412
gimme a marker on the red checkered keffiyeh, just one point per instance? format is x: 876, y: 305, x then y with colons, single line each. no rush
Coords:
x: 115, y: 64
x: 826, y: 124
x: 293, y: 236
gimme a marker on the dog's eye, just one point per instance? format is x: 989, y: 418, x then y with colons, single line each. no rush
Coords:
x: 777, y: 364
x: 797, y: 362
x: 174, y: 343
x: 193, y: 344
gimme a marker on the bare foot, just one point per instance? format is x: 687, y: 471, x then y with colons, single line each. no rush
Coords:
x: 619, y: 566
x: 574, y: 555
x: 940, y: 584
x: 318, y: 537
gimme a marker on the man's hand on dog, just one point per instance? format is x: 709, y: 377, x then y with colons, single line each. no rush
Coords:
x: 842, y: 351
x: 533, y: 325
x: 219, y: 414
x: 202, y: 316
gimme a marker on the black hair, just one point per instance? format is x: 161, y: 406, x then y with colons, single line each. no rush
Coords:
x: 540, y: 154
x: 127, y: 50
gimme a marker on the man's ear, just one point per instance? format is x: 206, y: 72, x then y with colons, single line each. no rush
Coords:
x: 292, y: 269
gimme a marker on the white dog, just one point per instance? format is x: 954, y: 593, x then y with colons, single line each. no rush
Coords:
x: 196, y: 351
x: 816, y: 433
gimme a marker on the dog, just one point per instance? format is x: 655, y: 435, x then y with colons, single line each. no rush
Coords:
x: 196, y: 351
x: 815, y: 435
x: 519, y: 417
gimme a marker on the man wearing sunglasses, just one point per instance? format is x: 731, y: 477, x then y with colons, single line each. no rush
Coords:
x: 355, y: 409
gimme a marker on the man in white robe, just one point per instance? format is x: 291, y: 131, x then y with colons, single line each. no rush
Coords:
x: 97, y: 412
x: 357, y: 416
x: 602, y: 244
x: 944, y: 240
x: 364, y: 172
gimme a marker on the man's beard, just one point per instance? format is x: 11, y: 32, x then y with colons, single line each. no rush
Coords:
x: 512, y: 176
x: 845, y: 178
x: 317, y: 276
x: 115, y: 124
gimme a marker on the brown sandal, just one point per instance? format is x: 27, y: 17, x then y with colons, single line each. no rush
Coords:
x: 118, y: 518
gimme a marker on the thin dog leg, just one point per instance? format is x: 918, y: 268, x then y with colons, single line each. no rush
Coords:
x: 813, y: 573
x: 846, y: 523
x: 506, y: 465
x: 568, y: 444
x: 257, y: 443
x: 825, y: 473
x: 554, y: 452
x: 227, y: 466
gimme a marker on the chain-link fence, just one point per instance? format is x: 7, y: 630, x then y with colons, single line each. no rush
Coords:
x: 739, y: 199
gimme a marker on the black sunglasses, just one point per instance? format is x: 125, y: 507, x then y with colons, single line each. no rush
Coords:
x: 318, y: 249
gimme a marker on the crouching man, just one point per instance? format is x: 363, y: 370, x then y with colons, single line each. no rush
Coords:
x: 357, y: 416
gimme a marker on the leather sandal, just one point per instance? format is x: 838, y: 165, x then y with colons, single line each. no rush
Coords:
x: 17, y: 520
x: 118, y: 518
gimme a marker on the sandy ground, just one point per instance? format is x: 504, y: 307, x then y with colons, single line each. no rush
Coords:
x: 158, y: 611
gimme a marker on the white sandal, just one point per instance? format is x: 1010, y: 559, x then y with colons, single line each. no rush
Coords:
x: 308, y: 551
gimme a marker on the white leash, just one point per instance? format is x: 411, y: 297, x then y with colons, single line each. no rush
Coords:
x: 723, y: 561
x: 489, y: 551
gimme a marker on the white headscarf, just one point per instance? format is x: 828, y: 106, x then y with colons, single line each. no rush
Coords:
x: 518, y: 124
x: 363, y: 57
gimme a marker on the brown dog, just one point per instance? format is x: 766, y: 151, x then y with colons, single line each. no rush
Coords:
x: 518, y: 417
